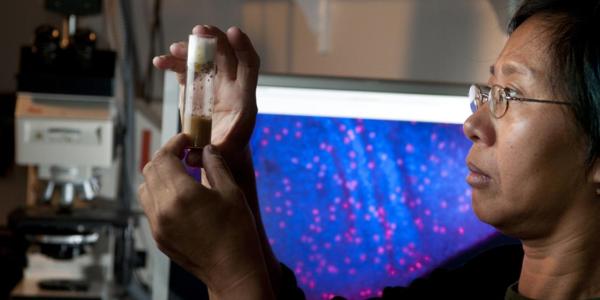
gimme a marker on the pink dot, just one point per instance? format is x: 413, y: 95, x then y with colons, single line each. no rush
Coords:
x: 266, y: 130
x: 278, y: 137
x: 264, y: 143
x: 409, y: 148
x: 461, y: 230
x: 369, y: 148
x: 298, y: 134
x: 350, y: 134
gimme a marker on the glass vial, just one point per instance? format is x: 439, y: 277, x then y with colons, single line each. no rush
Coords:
x: 199, y: 92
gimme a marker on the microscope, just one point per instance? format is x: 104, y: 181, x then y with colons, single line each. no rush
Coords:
x: 80, y: 240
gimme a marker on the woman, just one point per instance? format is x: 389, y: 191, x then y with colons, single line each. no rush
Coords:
x: 534, y: 166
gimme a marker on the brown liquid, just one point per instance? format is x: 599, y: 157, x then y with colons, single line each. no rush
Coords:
x: 198, y: 128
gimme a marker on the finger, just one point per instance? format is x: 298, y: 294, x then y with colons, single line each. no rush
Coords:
x: 225, y: 58
x: 169, y: 62
x: 170, y: 154
x: 248, y: 59
x: 166, y: 177
x: 175, y: 145
x: 179, y: 50
x: 217, y: 172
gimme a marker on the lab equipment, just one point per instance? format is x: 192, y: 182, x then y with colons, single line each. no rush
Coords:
x: 199, y: 91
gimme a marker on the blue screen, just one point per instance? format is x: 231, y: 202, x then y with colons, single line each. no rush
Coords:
x: 353, y: 205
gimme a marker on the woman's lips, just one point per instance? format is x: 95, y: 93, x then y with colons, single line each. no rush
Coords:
x: 477, y: 178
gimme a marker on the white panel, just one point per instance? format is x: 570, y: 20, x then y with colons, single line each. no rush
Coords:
x: 366, y: 105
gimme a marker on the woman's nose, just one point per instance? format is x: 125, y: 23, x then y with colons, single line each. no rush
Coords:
x: 479, y: 127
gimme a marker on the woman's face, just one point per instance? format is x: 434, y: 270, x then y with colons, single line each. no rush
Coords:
x: 528, y: 166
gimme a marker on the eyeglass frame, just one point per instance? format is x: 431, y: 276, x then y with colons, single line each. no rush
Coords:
x: 504, y: 91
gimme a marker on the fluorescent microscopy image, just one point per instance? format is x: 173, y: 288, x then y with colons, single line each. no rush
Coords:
x: 353, y: 205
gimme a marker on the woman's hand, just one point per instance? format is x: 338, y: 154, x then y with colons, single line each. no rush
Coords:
x: 234, y: 113
x: 210, y: 232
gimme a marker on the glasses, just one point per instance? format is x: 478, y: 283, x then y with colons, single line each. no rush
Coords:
x: 498, y: 98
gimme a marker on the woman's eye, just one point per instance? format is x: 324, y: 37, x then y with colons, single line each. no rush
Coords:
x: 512, y: 92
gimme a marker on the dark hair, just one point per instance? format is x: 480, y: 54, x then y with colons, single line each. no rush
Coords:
x: 575, y: 56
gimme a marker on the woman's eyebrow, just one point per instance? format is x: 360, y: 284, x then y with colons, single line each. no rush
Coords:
x: 511, y: 68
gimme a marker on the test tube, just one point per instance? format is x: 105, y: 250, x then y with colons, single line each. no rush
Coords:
x: 199, y: 93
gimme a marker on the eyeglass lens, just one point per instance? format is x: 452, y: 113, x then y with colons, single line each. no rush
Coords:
x: 498, y: 102
x: 496, y: 96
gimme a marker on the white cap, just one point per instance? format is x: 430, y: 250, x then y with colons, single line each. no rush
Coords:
x: 201, y: 50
